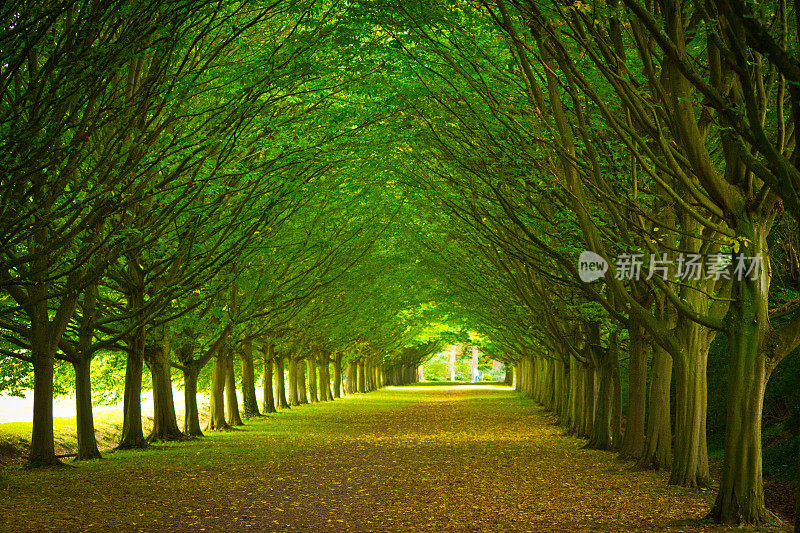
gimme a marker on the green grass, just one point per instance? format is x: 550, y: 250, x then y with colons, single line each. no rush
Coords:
x: 418, y: 458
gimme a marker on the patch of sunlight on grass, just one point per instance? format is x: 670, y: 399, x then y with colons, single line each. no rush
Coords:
x: 470, y: 386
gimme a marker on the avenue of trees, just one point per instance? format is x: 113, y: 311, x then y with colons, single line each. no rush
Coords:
x: 286, y: 195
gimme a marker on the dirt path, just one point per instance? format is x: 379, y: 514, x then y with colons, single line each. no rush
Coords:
x: 424, y: 459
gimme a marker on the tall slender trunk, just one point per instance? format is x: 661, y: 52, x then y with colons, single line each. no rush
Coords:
x: 266, y: 380
x: 301, y: 382
x: 577, y: 398
x: 249, y: 400
x: 369, y: 377
x: 571, y: 415
x: 311, y: 368
x: 337, y: 375
x: 42, y: 452
x: 562, y: 392
x: 362, y: 386
x: 294, y: 382
x: 601, y: 434
x: 191, y: 415
x: 549, y: 391
x: 218, y: 376
x: 132, y: 433
x: 165, y: 423
x: 324, y: 382
x: 87, y: 443
x: 690, y: 456
x: 658, y: 451
x: 231, y: 401
x: 588, y: 400
x: 633, y: 440
x: 351, y: 380
x: 280, y: 383
x: 600, y: 437
x: 616, y: 407
x: 741, y: 493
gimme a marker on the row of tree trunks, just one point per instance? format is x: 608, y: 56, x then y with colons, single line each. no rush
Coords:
x: 583, y: 390
x: 224, y: 405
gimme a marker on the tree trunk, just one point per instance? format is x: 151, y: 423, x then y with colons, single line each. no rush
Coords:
x: 132, y: 433
x: 588, y: 400
x: 294, y: 383
x: 218, y: 371
x: 601, y: 434
x: 690, y: 456
x: 165, y: 423
x: 362, y: 386
x: 562, y: 392
x: 311, y: 368
x: 266, y: 380
x: 600, y: 438
x: 633, y: 440
x: 42, y: 452
x: 87, y: 443
x: 191, y: 415
x: 280, y: 384
x: 337, y: 375
x: 658, y: 451
x: 351, y: 380
x: 576, y: 397
x: 301, y: 382
x: 324, y: 382
x: 741, y: 493
x: 249, y: 400
x: 616, y: 413
x: 231, y: 401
